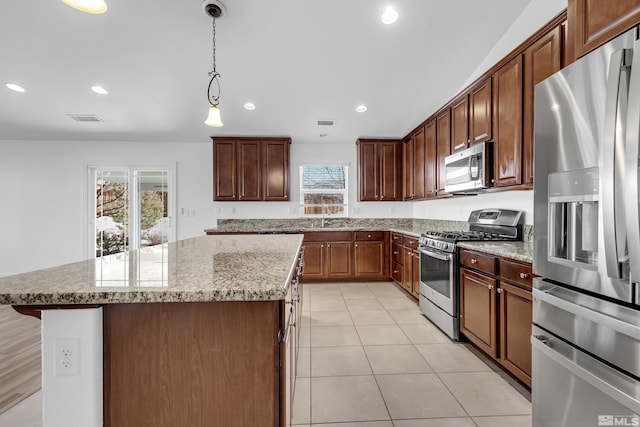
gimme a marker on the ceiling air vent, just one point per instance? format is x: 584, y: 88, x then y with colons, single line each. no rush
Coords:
x: 325, y: 122
x: 85, y: 117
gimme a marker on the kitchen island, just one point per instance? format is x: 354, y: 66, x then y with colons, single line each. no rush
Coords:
x: 208, y: 340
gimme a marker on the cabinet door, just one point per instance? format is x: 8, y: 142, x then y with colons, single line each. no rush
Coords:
x: 594, y: 22
x: 541, y: 60
x: 507, y: 125
x: 389, y: 172
x: 275, y: 175
x: 460, y: 124
x: 369, y: 259
x: 313, y: 260
x: 407, y: 155
x: 431, y: 159
x: 224, y: 170
x: 443, y: 147
x: 249, y: 167
x: 480, y: 112
x: 339, y: 259
x: 415, y: 289
x: 368, y: 164
x: 419, y: 148
x: 515, y: 330
x: 407, y: 266
x: 478, y: 310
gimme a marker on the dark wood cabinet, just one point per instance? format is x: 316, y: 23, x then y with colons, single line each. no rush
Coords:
x: 405, y: 263
x: 419, y: 164
x: 276, y: 176
x: 516, y: 306
x: 379, y: 170
x: 431, y: 159
x: 478, y: 310
x: 370, y: 253
x: 460, y: 124
x: 507, y: 123
x: 339, y: 256
x: 443, y: 146
x: 595, y: 22
x: 480, y: 112
x: 407, y: 163
x: 251, y: 169
x: 346, y: 255
x: 224, y: 170
x: 496, y: 309
x: 541, y: 60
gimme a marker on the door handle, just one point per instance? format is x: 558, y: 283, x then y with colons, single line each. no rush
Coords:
x: 632, y: 165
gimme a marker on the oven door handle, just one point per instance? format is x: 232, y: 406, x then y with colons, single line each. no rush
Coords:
x: 446, y: 257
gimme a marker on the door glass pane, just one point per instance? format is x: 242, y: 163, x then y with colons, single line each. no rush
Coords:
x: 111, y: 224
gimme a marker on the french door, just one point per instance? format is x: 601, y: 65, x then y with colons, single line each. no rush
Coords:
x: 129, y: 208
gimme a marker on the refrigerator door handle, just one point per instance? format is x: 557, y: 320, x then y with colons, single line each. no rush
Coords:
x: 632, y: 164
x: 608, y: 173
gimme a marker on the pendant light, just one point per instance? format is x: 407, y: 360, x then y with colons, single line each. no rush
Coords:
x: 215, y: 10
x: 89, y: 6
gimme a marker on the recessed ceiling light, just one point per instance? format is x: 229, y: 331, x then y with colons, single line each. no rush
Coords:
x: 249, y: 106
x: 389, y: 16
x: 361, y: 108
x: 14, y: 87
x: 99, y: 89
x: 89, y: 6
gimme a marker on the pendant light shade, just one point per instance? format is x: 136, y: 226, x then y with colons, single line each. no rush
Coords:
x: 214, y: 117
x: 89, y: 6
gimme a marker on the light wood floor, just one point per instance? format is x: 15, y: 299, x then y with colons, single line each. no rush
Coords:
x: 20, y: 368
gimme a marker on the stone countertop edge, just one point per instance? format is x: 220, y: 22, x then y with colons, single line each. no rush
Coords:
x: 326, y: 229
x: 519, y: 251
x: 69, y: 284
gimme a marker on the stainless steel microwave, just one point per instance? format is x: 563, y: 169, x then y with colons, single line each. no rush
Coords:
x: 470, y: 170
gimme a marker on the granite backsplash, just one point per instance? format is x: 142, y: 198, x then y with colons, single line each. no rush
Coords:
x: 306, y: 224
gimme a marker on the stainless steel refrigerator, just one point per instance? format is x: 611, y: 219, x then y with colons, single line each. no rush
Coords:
x: 586, y: 308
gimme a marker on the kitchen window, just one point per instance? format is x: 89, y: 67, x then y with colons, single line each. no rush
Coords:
x: 324, y: 191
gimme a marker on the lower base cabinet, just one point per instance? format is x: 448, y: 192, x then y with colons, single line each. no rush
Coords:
x: 405, y: 263
x: 346, y: 255
x: 496, y: 309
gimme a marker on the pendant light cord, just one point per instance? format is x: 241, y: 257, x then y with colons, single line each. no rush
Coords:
x: 214, y: 100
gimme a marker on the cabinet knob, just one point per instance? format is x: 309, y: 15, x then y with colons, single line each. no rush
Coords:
x: 395, y: 252
x: 328, y: 245
x: 356, y: 245
x: 395, y: 271
x: 490, y: 287
x: 368, y: 236
x: 499, y: 290
x: 473, y: 260
x: 381, y: 197
x: 523, y: 275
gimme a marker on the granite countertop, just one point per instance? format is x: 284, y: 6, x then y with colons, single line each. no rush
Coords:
x: 201, y: 269
x: 520, y: 251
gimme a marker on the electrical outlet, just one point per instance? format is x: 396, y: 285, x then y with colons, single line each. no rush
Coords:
x: 67, y: 356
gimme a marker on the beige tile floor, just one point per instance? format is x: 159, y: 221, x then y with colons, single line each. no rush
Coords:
x: 368, y: 358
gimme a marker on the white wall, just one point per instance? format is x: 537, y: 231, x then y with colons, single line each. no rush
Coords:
x: 534, y: 17
x: 42, y: 200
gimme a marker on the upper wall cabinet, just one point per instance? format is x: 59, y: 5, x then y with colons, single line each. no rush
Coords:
x: 542, y: 59
x: 460, y: 123
x: 471, y: 117
x: 379, y: 169
x: 594, y: 22
x: 507, y: 123
x: 251, y: 169
x: 414, y: 165
x: 431, y: 159
x: 443, y: 146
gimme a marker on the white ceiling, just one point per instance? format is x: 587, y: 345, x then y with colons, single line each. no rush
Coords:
x: 299, y: 61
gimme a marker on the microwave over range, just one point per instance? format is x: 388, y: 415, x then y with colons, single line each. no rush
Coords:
x: 470, y: 170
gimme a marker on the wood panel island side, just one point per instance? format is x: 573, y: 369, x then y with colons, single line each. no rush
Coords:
x: 210, y: 341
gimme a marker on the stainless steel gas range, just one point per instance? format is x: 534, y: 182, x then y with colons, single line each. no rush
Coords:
x: 439, y: 284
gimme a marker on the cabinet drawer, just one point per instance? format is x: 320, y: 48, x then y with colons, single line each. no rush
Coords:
x: 396, y: 272
x: 515, y: 272
x: 369, y: 235
x: 410, y: 242
x: 328, y: 236
x: 478, y: 261
x: 396, y: 253
x: 396, y: 238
